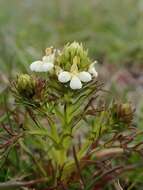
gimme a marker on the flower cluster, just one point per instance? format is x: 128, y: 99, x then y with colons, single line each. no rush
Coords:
x: 71, y: 65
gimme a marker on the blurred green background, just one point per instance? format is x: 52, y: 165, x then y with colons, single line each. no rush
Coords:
x: 111, y: 29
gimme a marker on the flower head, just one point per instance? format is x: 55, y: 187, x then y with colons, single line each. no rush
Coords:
x: 47, y: 62
x: 75, y: 77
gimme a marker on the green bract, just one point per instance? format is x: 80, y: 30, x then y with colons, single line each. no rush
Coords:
x: 69, y: 53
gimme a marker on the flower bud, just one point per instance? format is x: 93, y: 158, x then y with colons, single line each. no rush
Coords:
x: 25, y: 85
x: 126, y: 109
x: 123, y: 112
x: 72, y: 51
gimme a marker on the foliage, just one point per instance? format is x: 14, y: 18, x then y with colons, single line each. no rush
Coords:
x: 56, y: 137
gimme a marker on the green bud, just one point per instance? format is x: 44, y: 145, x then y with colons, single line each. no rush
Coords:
x: 123, y: 112
x: 70, y: 51
x: 126, y: 109
x: 74, y: 48
x: 25, y: 85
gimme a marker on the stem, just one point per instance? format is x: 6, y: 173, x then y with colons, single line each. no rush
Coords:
x: 16, y: 184
x: 66, y: 116
x: 78, y: 168
x: 107, y: 152
x: 117, y: 185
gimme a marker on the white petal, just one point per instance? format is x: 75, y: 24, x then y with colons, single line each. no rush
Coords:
x: 85, y: 76
x: 35, y: 65
x: 47, y: 66
x: 45, y: 58
x: 92, y: 70
x: 49, y: 58
x: 64, y: 76
x: 75, y: 83
x: 39, y: 66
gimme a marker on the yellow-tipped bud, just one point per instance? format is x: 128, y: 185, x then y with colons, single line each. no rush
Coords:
x: 70, y: 53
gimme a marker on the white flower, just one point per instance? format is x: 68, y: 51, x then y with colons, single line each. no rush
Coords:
x: 44, y: 65
x: 75, y: 83
x: 64, y: 76
x: 85, y: 76
x: 92, y: 69
x: 76, y: 78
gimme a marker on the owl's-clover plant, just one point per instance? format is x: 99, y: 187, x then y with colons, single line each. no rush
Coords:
x: 66, y: 123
